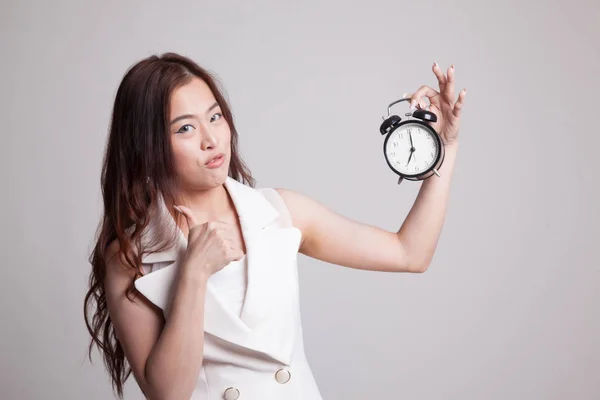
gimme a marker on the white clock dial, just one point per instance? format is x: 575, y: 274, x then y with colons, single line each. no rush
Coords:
x: 411, y: 158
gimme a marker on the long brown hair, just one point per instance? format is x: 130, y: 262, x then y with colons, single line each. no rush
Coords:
x: 137, y: 167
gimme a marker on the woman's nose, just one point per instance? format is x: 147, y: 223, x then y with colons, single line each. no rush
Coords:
x: 209, y: 140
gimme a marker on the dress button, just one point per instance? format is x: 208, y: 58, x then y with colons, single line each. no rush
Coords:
x: 231, y: 394
x: 283, y: 376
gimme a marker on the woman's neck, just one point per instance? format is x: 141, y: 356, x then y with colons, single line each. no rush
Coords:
x: 212, y: 204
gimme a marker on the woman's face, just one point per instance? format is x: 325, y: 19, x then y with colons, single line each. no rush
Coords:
x: 198, y: 133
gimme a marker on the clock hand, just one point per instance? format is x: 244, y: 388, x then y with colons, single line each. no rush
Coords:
x: 412, y: 150
x: 412, y: 147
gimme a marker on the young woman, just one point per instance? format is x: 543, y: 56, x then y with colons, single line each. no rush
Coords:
x: 214, y: 258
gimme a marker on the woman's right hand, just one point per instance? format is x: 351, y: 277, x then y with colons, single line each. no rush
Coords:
x: 211, y: 245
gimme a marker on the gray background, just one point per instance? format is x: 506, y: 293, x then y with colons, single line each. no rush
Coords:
x: 508, y: 309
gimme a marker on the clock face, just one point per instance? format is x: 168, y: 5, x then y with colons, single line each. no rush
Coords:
x: 411, y: 149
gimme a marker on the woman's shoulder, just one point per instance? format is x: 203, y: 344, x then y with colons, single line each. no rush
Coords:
x: 117, y: 266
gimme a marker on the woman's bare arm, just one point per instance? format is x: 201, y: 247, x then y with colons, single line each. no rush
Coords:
x: 165, y: 357
x: 331, y: 237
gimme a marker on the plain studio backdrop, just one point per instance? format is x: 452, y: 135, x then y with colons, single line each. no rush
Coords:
x: 509, y: 308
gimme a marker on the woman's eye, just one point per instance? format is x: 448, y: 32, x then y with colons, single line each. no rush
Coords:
x: 184, y: 130
x: 213, y: 117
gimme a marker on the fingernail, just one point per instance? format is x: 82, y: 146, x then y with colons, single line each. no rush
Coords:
x: 177, y: 208
x: 452, y: 66
x: 412, y: 104
x: 434, y: 63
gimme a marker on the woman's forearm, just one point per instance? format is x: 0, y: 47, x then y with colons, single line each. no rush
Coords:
x: 422, y: 227
x: 174, y: 364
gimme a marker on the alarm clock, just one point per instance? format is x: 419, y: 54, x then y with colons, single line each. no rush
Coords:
x: 412, y: 148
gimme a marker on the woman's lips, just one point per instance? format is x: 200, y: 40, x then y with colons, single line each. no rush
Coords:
x: 216, y: 162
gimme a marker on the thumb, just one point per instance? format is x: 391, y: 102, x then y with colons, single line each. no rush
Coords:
x: 189, y: 216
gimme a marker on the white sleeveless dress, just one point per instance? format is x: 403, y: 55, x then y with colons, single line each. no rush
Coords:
x: 253, y: 343
x: 231, y: 282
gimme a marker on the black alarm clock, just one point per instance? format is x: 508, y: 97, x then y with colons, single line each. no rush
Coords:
x: 412, y: 148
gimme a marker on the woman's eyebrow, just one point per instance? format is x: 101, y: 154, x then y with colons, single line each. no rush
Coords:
x: 186, y: 116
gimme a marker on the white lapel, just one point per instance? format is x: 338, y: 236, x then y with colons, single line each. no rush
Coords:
x: 267, y: 319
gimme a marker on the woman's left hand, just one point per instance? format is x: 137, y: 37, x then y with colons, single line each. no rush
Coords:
x: 442, y: 104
